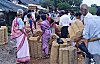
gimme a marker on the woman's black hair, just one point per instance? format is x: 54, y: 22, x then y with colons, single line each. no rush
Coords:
x: 72, y: 12
x: 29, y: 11
x: 98, y: 12
x: 78, y: 14
x: 43, y: 17
x: 47, y: 14
x: 38, y: 17
x: 29, y: 15
x: 51, y: 21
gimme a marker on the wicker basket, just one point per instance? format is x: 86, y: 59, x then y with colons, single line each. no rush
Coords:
x: 63, y: 56
x: 35, y: 47
x: 75, y: 28
x: 2, y: 36
x: 68, y: 55
x: 54, y: 53
x: 54, y: 57
x: 72, y: 55
x: 5, y: 34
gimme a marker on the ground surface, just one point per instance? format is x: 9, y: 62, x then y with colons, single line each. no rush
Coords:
x: 8, y: 56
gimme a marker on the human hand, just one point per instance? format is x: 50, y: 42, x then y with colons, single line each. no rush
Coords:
x: 86, y: 42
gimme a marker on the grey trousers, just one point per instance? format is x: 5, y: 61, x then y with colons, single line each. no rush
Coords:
x: 96, y: 57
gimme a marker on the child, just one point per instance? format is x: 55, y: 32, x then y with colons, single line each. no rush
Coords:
x: 29, y: 16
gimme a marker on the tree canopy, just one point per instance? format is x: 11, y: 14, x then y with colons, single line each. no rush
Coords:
x: 62, y: 4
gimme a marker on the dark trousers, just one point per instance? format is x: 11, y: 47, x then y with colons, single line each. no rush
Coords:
x: 64, y: 32
x: 84, y: 49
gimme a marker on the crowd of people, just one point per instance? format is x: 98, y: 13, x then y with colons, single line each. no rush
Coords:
x: 48, y: 22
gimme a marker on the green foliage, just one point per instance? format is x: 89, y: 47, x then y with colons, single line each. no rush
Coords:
x: 47, y: 3
x: 93, y: 5
x: 72, y: 2
x: 92, y: 10
x: 61, y: 4
x: 64, y: 5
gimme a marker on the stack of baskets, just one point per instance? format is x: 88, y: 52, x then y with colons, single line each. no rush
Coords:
x: 63, y: 53
x: 3, y: 35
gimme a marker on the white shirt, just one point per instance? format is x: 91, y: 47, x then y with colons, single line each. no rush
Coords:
x: 33, y: 15
x: 20, y: 23
x: 65, y: 20
x: 92, y: 30
x: 25, y: 18
x: 88, y: 15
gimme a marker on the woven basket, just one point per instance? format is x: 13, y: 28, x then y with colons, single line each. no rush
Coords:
x: 39, y: 45
x: 68, y: 55
x: 54, y: 53
x: 2, y: 36
x: 63, y: 56
x: 5, y: 34
x: 72, y: 55
x: 75, y: 28
x: 54, y: 57
x: 35, y: 47
x: 63, y: 45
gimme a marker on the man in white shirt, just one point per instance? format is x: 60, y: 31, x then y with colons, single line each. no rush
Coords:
x: 65, y: 19
x: 91, y: 31
x: 85, y: 12
x: 64, y: 23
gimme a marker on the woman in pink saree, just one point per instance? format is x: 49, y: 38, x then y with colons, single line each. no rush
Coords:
x: 45, y: 27
x: 18, y: 33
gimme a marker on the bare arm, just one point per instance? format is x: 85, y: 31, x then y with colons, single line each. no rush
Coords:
x: 94, y: 39
x: 23, y: 32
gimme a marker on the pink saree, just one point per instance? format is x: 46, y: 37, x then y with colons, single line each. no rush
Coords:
x: 22, y: 42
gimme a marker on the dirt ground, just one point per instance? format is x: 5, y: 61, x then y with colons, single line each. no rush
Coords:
x: 47, y: 61
x: 8, y: 56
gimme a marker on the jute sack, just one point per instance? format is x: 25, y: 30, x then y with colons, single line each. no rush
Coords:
x: 68, y: 55
x: 33, y: 46
x: 54, y: 57
x: 64, y: 39
x: 67, y: 40
x: 39, y: 45
x: 5, y: 34
x: 54, y: 53
x: 38, y: 32
x: 53, y: 38
x: 63, y: 56
x: 72, y: 55
x: 2, y: 36
x: 63, y: 45
x: 76, y: 27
